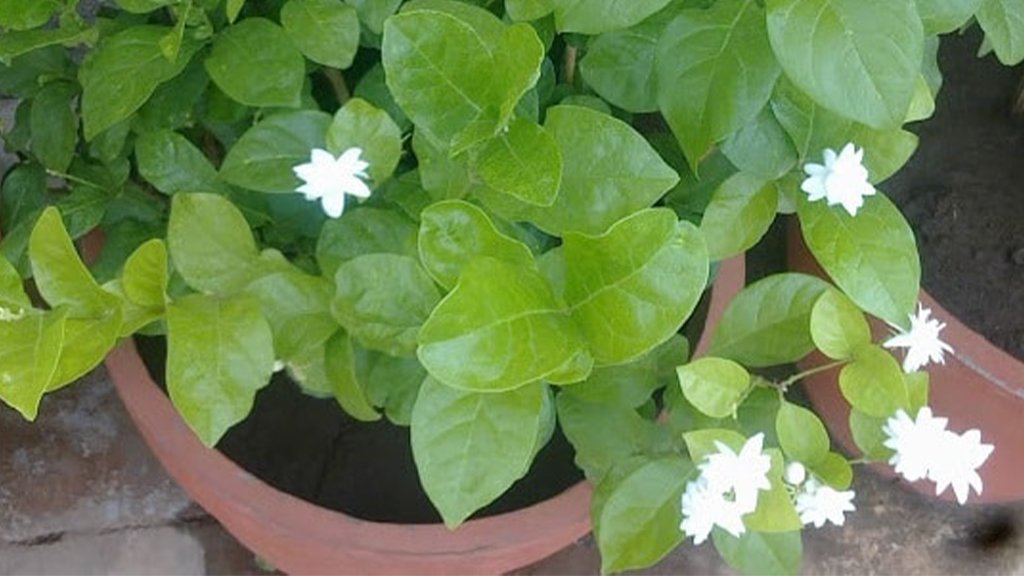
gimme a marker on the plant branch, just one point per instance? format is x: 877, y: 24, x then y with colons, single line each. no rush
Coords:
x: 338, y: 85
x: 570, y: 64
x: 785, y: 384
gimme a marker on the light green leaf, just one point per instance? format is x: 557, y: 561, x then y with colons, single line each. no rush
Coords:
x: 470, y: 447
x: 499, y: 329
x: 59, y: 274
x: 453, y: 233
x: 361, y: 125
x: 524, y: 162
x: 714, y: 386
x: 838, y: 327
x: 121, y: 74
x: 12, y: 289
x: 775, y: 510
x: 834, y: 470
x: 526, y: 10
x: 210, y: 243
x: 255, y: 63
x: 298, y: 308
x: 703, y: 443
x: 25, y: 14
x: 633, y: 287
x: 390, y: 383
x: 602, y: 434
x: 232, y: 8
x: 364, y: 231
x: 29, y: 349
x: 597, y: 16
x: 768, y: 323
x: 145, y: 275
x: 868, y: 435
x: 631, y: 385
x: 443, y: 177
x: 715, y: 73
x: 373, y: 13
x: 740, y: 212
x: 917, y: 390
x: 326, y: 31
x: 761, y: 147
x: 340, y: 368
x: 54, y: 125
x: 872, y: 257
x: 801, y: 434
x: 1003, y: 23
x: 263, y: 158
x: 382, y: 300
x: 15, y: 43
x: 944, y: 16
x: 142, y: 6
x: 87, y: 341
x: 842, y: 53
x: 219, y: 354
x: 171, y: 163
x: 873, y: 383
x: 761, y: 553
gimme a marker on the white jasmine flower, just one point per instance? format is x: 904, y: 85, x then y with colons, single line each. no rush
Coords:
x: 742, y: 475
x: 916, y: 443
x: 795, y: 474
x: 703, y: 509
x: 959, y: 458
x: 817, y: 504
x: 921, y: 341
x: 328, y: 179
x: 841, y: 180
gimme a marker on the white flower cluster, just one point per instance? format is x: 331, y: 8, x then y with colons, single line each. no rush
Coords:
x: 921, y: 341
x: 815, y: 502
x: 726, y: 490
x: 328, y: 179
x: 923, y: 448
x: 842, y: 179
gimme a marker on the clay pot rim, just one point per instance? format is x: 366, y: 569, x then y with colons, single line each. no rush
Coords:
x: 206, y: 473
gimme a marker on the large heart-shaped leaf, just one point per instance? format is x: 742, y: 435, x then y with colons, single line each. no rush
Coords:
x: 263, y: 158
x: 326, y: 31
x: 210, y: 243
x: 255, y: 63
x: 29, y: 349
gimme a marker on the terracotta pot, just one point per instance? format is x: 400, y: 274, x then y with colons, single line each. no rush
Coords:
x: 980, y: 386
x: 299, y: 537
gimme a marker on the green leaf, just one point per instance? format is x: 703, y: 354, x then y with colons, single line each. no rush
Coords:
x: 740, y: 212
x: 171, y: 163
x: 872, y: 257
x: 637, y: 522
x: 340, y: 367
x: 768, y: 323
x: 232, y: 8
x: 364, y: 231
x: 633, y: 287
x: 813, y: 39
x: 602, y: 434
x: 120, y: 75
x: 524, y: 162
x: 443, y: 177
x: 1003, y: 23
x: 20, y: 42
x: 801, y: 434
x: 525, y: 10
x: 146, y: 275
x: 761, y: 147
x: 775, y: 510
x: 219, y: 354
x: 390, y: 383
x: 944, y: 16
x: 597, y: 16
x: 382, y: 300
x: 29, y: 348
x: 620, y: 65
x: 54, y: 125
x: 873, y: 383
x: 360, y: 124
x: 453, y: 233
x: 715, y: 73
x: 838, y: 327
x: 142, y: 6
x: 298, y: 308
x: 917, y: 390
x: 255, y: 63
x: 87, y: 341
x: 703, y: 443
x: 210, y: 243
x: 373, y: 13
x: 834, y: 470
x: 12, y: 289
x: 25, y: 14
x: 714, y: 386
x: 759, y: 553
x: 631, y: 385
x: 59, y: 274
x: 499, y: 329
x: 470, y: 447
x: 263, y: 158
x: 868, y: 435
x: 326, y: 31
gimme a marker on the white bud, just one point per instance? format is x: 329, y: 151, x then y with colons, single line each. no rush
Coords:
x: 795, y: 473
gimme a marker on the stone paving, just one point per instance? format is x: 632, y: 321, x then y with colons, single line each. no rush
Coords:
x: 80, y: 494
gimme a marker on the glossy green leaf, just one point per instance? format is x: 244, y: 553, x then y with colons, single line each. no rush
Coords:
x: 142, y: 6
x: 633, y: 287
x: 12, y: 289
x: 775, y: 510
x: 232, y: 8
x: 801, y: 434
x: 868, y: 435
x: 637, y: 523
x: 873, y: 383
x: 54, y: 125
x: 359, y: 124
x: 838, y: 327
x: 944, y: 16
x: 761, y: 553
x: 470, y: 447
x: 373, y: 13
x: 524, y: 162
x: 171, y: 163
x: 298, y: 308
x: 340, y: 367
x: 72, y: 32
x: 499, y: 329
x: 382, y: 300
x: 524, y: 10
x: 362, y: 231
x: 325, y: 31
x: 263, y: 158
x: 816, y: 39
x: 59, y: 273
x: 602, y: 434
x: 121, y: 74
x: 443, y: 177
x: 620, y: 65
x: 390, y: 383
x: 597, y: 16
x: 834, y: 470
x: 87, y: 341
x: 714, y: 386
x: 768, y: 322
x: 30, y: 345
x: 220, y: 352
x: 146, y: 275
x: 631, y: 385
x: 210, y: 243
x: 1003, y: 23
x: 740, y: 212
x: 255, y: 63
x: 761, y: 147
x: 872, y: 257
x: 25, y: 14
x: 715, y: 73
x: 453, y: 233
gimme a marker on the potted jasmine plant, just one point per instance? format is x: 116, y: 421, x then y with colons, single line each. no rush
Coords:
x: 485, y: 221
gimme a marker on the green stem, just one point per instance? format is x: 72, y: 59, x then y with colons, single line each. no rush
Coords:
x: 785, y: 384
x: 570, y: 64
x: 72, y: 178
x: 337, y: 81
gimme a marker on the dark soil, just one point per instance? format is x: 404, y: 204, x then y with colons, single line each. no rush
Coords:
x: 963, y: 193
